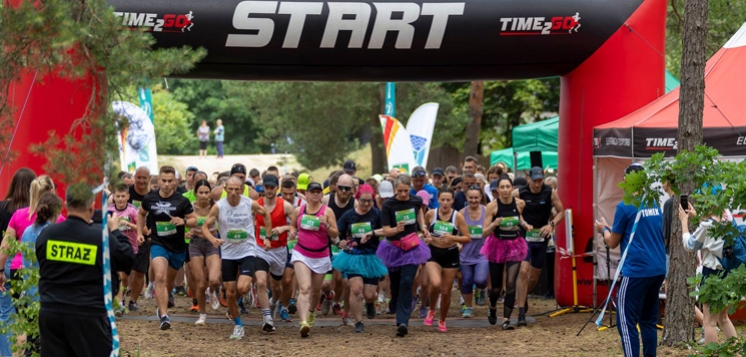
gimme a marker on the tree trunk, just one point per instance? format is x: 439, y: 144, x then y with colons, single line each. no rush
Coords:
x: 679, y: 305
x: 476, y: 100
x: 378, y: 152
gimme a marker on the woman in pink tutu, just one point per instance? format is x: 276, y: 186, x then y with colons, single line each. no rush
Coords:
x: 504, y: 248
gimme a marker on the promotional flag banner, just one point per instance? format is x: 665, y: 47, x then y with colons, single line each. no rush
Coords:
x: 420, y: 128
x: 390, y: 109
x: 137, y: 139
x: 399, y: 151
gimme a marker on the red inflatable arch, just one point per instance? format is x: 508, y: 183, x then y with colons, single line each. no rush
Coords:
x: 609, y: 54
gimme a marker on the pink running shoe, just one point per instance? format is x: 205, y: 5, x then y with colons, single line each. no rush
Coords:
x: 442, y: 326
x: 430, y: 317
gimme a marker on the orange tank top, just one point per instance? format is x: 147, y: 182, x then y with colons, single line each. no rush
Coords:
x: 278, y: 220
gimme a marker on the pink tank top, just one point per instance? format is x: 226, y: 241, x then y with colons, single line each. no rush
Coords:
x: 313, y: 241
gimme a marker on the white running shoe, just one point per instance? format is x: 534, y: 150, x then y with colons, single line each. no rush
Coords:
x: 237, y: 333
x: 150, y: 291
x: 201, y: 320
x: 214, y: 300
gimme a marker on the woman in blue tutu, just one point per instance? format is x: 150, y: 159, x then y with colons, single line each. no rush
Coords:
x: 504, y: 248
x: 403, y: 250
x: 360, y: 229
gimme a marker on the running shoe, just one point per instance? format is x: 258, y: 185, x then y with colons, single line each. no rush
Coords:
x: 430, y: 317
x: 359, y: 328
x: 337, y: 309
x: 150, y: 291
x: 521, y: 317
x: 507, y: 326
x: 311, y: 320
x: 133, y: 306
x: 370, y: 310
x: 241, y: 307
x: 305, y: 329
x: 442, y: 326
x: 214, y: 301
x: 326, y: 305
x: 201, y: 320
x: 292, y: 308
x: 482, y: 299
x: 285, y: 316
x: 467, y: 313
x: 194, y: 308
x: 165, y: 323
x: 179, y: 290
x: 237, y: 333
x: 346, y: 320
x: 423, y: 312
x: 268, y: 326
x: 171, y: 302
x: 492, y: 316
x: 402, y: 330
x: 119, y: 311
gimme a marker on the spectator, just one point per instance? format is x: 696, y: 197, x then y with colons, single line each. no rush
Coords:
x: 203, y: 134
x: 219, y: 138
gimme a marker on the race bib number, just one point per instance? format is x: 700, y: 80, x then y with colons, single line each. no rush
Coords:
x: 310, y: 223
x: 359, y: 230
x: 441, y: 228
x: 407, y: 216
x: 534, y: 235
x: 237, y: 234
x: 291, y: 245
x: 475, y: 232
x: 263, y: 233
x: 165, y: 229
x: 123, y: 224
x: 201, y: 221
x: 509, y: 222
x: 137, y: 204
x: 68, y: 252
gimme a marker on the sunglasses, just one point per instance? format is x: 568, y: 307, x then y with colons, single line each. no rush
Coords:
x: 475, y: 187
x: 419, y: 174
x: 344, y: 188
x: 364, y: 200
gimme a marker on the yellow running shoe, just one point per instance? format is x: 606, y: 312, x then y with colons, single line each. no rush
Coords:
x: 304, y: 329
x: 311, y: 319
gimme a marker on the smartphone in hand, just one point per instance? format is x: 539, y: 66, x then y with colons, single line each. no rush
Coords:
x: 685, y: 203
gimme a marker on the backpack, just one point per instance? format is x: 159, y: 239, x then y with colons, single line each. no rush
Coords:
x: 734, y: 254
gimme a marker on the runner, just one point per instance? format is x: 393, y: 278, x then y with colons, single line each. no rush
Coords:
x: 474, y: 267
x: 235, y: 218
x: 289, y: 284
x: 403, y: 251
x: 539, y: 199
x: 239, y: 170
x: 202, y: 253
x: 315, y: 225
x: 360, y: 228
x: 504, y: 248
x: 137, y: 193
x: 127, y: 214
x: 448, y: 229
x: 468, y: 180
x: 272, y: 261
x: 439, y: 178
x: 167, y: 214
x: 419, y: 182
x: 339, y: 202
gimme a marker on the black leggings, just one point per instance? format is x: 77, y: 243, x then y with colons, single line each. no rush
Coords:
x: 496, y: 277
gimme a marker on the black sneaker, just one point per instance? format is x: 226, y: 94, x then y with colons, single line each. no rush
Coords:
x: 402, y: 330
x: 359, y: 328
x: 521, y: 317
x: 181, y: 291
x: 171, y: 302
x: 292, y: 308
x: 370, y: 311
x: 133, y: 306
x: 507, y: 326
x: 492, y: 316
x: 165, y: 323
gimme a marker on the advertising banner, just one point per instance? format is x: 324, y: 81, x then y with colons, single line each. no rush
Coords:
x: 136, y: 139
x: 399, y: 151
x: 420, y: 128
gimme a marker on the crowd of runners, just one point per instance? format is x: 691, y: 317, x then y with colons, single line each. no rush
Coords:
x: 295, y: 246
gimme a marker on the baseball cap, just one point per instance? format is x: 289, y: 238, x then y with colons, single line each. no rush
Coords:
x: 303, y: 181
x: 270, y: 180
x: 536, y: 173
x: 633, y: 168
x: 424, y: 196
x: 314, y: 186
x: 493, y: 185
x: 438, y: 171
x: 456, y: 181
x: 386, y: 189
x: 378, y: 177
x: 350, y: 167
x: 192, y: 168
x: 419, y: 171
x: 238, y: 169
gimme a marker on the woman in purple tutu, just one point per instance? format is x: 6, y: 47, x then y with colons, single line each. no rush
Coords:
x: 504, y: 248
x: 403, y: 250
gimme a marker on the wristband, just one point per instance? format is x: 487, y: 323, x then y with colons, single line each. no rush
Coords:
x: 603, y: 231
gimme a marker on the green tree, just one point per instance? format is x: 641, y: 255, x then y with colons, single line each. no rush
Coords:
x: 173, y: 129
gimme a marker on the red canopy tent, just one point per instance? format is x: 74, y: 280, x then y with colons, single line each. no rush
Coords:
x: 654, y: 128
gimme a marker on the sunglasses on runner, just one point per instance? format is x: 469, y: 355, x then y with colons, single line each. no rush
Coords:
x: 344, y: 188
x: 419, y: 174
x: 365, y: 200
x: 475, y: 187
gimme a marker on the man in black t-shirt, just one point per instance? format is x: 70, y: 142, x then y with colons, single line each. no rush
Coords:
x: 137, y: 192
x: 168, y: 213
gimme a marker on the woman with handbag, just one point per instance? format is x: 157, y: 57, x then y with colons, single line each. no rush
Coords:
x: 448, y: 229
x: 403, y: 251
x: 504, y: 248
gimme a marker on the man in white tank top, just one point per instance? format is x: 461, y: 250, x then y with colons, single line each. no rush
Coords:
x: 235, y: 217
